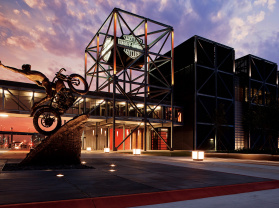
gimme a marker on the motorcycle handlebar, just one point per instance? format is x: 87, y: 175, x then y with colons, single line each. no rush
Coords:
x: 58, y: 73
x: 62, y: 69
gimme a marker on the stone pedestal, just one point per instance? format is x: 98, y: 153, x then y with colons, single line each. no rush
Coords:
x: 61, y: 148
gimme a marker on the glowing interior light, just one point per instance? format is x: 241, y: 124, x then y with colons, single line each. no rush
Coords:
x: 99, y: 101
x: 106, y: 150
x: 88, y: 148
x: 80, y: 100
x: 117, y: 133
x: 140, y: 105
x: 59, y: 175
x: 136, y: 151
x: 158, y: 108
x: 101, y: 130
x: 93, y: 132
x: 198, y: 155
x: 4, y: 115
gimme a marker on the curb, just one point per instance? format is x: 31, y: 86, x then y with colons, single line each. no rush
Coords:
x: 151, y: 198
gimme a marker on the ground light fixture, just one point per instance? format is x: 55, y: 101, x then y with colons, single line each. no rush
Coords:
x: 136, y: 151
x: 198, y: 155
x: 106, y: 150
x: 88, y: 148
x: 59, y: 175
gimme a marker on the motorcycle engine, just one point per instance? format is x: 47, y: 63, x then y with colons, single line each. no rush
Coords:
x: 64, y: 99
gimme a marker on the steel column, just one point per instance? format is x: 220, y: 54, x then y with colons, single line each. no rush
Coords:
x: 114, y: 81
x: 97, y: 67
x: 195, y: 95
x: 172, y: 86
x: 145, y: 84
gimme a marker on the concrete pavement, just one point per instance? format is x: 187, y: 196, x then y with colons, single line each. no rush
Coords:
x: 140, y: 177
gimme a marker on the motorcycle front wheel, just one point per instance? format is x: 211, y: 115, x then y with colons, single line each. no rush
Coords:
x: 47, y: 121
x: 78, y: 84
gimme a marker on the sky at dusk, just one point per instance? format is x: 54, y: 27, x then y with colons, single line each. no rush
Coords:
x: 51, y: 34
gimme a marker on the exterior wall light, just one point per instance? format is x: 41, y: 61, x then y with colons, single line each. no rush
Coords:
x: 83, y: 162
x: 136, y: 151
x: 59, y: 175
x: 198, y: 155
x: 88, y: 148
x: 106, y: 150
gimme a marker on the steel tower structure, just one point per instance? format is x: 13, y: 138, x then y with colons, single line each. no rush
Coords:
x: 124, y: 53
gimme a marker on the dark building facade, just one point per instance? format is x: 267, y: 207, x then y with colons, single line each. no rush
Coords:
x: 204, y: 74
x: 256, y: 103
x: 219, y: 94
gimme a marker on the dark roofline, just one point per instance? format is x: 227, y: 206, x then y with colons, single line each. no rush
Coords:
x: 207, y: 40
x: 256, y: 57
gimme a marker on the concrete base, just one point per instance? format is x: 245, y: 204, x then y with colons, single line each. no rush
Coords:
x: 61, y: 148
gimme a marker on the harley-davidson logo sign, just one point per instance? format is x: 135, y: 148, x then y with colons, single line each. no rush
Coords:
x: 130, y: 41
x: 107, y: 45
x: 125, y: 55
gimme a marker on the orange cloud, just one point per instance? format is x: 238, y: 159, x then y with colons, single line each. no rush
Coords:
x: 26, y: 13
x: 35, y: 3
x: 16, y: 11
x: 21, y: 41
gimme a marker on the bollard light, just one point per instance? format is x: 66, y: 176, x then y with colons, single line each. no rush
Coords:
x: 136, y: 151
x: 106, y: 150
x: 198, y: 155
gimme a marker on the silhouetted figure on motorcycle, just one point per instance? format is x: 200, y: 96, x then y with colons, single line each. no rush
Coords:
x: 47, y: 118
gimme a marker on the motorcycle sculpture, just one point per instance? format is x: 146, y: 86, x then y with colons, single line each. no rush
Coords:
x: 47, y: 118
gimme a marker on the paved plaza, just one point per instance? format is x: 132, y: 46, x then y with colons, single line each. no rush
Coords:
x: 124, y: 180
